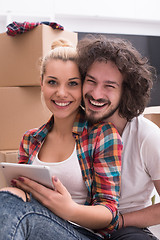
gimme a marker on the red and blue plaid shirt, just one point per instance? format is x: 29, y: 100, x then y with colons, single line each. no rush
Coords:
x: 99, y: 149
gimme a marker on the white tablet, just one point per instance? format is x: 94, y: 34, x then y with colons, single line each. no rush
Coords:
x: 40, y: 174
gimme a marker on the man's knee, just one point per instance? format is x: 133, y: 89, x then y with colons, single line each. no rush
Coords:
x: 130, y: 233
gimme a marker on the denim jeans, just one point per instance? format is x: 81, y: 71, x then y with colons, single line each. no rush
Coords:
x: 21, y: 220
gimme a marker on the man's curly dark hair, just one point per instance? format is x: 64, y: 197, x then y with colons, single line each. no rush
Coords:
x: 138, y: 74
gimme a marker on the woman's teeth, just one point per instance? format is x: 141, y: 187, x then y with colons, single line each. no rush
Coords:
x: 62, y: 104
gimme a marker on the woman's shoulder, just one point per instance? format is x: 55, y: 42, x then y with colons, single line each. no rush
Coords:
x: 29, y: 134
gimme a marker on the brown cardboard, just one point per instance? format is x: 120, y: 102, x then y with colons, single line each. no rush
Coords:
x: 153, y: 114
x: 10, y: 156
x: 7, y: 156
x: 20, y: 55
x: 154, y: 118
x: 2, y: 180
x: 20, y: 109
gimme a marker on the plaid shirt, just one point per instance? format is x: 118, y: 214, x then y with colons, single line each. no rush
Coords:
x: 15, y: 28
x: 99, y: 152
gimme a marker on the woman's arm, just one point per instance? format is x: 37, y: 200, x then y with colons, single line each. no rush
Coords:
x: 107, y: 170
x: 59, y: 201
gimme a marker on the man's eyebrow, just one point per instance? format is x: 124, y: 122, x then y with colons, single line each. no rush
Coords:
x: 107, y: 81
x: 111, y: 82
x: 87, y: 75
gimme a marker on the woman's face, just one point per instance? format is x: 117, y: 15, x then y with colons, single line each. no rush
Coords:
x: 62, y: 88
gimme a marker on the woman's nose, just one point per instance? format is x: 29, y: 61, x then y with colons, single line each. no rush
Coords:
x: 61, y: 91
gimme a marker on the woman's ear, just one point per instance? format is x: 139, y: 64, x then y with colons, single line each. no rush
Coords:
x: 41, y: 82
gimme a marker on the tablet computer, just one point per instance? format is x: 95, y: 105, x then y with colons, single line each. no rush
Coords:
x: 38, y: 173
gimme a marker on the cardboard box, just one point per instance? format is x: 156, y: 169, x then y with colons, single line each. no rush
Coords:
x: 20, y: 109
x: 7, y: 156
x: 154, y: 118
x: 10, y: 156
x: 20, y: 55
x: 153, y: 114
x: 2, y: 180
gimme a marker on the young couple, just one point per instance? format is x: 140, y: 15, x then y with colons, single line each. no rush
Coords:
x: 85, y: 155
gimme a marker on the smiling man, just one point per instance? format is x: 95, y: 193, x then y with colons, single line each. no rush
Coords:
x: 102, y: 90
x: 117, y: 84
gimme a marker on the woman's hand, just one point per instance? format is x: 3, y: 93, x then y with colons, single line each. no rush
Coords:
x: 59, y: 200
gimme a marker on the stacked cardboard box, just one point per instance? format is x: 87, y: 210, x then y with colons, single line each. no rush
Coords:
x: 153, y: 114
x: 20, y: 94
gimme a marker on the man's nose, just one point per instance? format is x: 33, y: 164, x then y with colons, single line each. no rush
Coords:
x: 97, y: 92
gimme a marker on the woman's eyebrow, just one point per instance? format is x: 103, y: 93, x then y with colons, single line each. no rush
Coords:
x: 74, y: 78
x: 51, y: 77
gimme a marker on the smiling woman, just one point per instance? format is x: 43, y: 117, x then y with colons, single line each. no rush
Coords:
x: 62, y: 91
x: 84, y: 162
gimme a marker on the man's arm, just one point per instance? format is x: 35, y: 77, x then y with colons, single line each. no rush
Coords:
x: 145, y: 217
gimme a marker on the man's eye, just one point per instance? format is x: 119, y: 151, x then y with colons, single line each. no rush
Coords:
x: 109, y: 86
x: 73, y: 83
x: 90, y: 81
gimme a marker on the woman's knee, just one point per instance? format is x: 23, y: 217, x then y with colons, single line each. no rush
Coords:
x: 16, y: 191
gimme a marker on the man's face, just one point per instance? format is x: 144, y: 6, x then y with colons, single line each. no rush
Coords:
x: 102, y: 91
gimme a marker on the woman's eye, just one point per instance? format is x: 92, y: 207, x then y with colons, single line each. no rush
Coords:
x: 51, y: 82
x: 73, y: 83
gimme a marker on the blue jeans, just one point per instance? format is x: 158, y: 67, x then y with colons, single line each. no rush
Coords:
x: 21, y: 220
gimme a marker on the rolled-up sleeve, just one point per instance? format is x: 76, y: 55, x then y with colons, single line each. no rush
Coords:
x: 107, y: 170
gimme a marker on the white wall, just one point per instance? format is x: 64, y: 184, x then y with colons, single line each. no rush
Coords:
x: 106, y: 16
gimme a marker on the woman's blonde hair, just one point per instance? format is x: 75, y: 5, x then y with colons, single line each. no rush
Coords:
x: 60, y: 50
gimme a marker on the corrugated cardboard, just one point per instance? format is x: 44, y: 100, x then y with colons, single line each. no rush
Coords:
x: 20, y: 109
x: 154, y: 118
x: 9, y: 156
x: 2, y: 180
x: 3, y: 158
x: 153, y: 114
x: 20, y: 55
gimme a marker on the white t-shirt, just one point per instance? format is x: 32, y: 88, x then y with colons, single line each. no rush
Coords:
x: 140, y: 163
x: 70, y: 174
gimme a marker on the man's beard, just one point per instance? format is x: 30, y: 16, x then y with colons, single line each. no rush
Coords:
x: 93, y: 119
x: 91, y: 116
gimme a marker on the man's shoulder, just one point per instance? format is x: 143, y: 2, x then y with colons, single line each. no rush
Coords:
x: 143, y: 123
x: 140, y: 127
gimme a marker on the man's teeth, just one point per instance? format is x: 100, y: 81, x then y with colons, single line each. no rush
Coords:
x: 97, y: 104
x: 62, y: 104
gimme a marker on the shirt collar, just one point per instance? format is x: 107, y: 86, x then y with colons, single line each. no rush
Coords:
x: 80, y: 123
x: 78, y: 126
x: 42, y: 132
